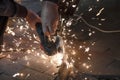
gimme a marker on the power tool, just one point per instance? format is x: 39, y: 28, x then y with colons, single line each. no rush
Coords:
x: 50, y: 46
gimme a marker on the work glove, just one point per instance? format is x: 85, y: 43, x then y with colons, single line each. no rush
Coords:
x: 49, y: 17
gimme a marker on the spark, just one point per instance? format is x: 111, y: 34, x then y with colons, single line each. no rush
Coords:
x: 69, y: 23
x: 69, y: 30
x: 28, y: 51
x: 100, y: 11
x: 28, y: 63
x: 35, y: 37
x: 43, y: 56
x: 41, y: 0
x: 89, y: 58
x: 90, y: 54
x: 74, y: 6
x: 21, y: 28
x: 11, y: 49
x: 73, y: 61
x: 90, y: 34
x: 87, y: 49
x: 32, y: 50
x: 67, y: 4
x: 103, y: 19
x: 93, y: 43
x: 27, y: 76
x: 80, y: 47
x: 71, y: 42
x: 69, y: 65
x: 73, y: 52
x: 97, y: 0
x: 65, y: 41
x: 93, y: 32
x: 90, y: 9
x: 38, y: 54
x: 36, y: 42
x: 82, y: 30
x: 9, y: 31
x: 57, y: 59
x: 99, y: 24
x: 86, y: 66
x: 86, y: 78
x: 63, y: 0
x: 18, y: 74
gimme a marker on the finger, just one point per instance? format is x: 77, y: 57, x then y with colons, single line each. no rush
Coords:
x: 38, y: 20
x: 45, y: 30
x: 51, y: 29
x: 55, y: 26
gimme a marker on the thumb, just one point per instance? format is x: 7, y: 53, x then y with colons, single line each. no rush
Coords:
x: 51, y: 29
x: 45, y: 30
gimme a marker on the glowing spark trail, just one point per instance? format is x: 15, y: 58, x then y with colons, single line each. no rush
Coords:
x: 100, y: 11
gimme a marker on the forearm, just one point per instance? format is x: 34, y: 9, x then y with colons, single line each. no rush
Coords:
x: 10, y: 8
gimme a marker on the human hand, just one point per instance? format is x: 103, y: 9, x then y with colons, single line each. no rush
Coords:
x: 32, y: 19
x: 49, y: 17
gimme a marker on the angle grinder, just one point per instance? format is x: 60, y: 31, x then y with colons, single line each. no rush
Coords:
x: 52, y: 45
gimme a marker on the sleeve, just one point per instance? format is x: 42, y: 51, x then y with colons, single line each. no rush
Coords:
x: 10, y: 8
x: 55, y: 1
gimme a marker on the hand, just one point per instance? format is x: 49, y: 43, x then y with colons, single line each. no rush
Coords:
x: 49, y: 17
x: 32, y: 19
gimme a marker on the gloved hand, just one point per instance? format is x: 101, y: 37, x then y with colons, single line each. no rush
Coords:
x: 49, y: 17
x: 32, y: 19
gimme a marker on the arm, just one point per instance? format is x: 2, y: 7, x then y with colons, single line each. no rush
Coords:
x: 10, y: 8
